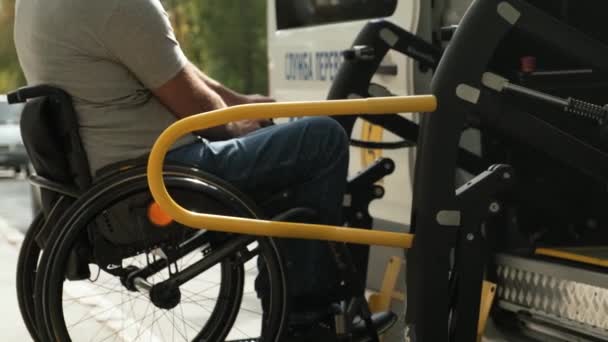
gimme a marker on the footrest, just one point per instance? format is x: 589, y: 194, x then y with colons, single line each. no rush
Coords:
x: 382, y: 321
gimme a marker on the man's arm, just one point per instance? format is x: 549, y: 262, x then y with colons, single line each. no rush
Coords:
x: 139, y: 36
x: 187, y: 93
x: 230, y: 97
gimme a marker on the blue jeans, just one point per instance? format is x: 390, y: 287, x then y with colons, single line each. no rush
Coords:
x: 308, y: 156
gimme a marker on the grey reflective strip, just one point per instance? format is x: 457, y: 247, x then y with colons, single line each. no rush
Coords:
x: 493, y: 81
x: 354, y: 96
x: 468, y: 93
x: 347, y: 200
x: 378, y: 90
x: 449, y: 218
x: 389, y: 37
x: 508, y: 12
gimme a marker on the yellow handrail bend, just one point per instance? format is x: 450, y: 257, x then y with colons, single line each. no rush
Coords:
x: 380, y: 105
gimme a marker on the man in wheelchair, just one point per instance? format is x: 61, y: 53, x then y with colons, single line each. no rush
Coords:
x: 129, y: 80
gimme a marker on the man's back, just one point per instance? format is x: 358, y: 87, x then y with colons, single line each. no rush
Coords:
x: 100, y: 53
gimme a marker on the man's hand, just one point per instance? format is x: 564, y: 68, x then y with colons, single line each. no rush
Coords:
x: 231, y: 97
x: 257, y: 98
x: 244, y: 127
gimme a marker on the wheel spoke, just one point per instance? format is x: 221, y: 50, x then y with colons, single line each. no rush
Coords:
x: 104, y: 309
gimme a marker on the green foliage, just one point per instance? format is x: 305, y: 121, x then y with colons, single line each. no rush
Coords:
x: 225, y: 38
x: 10, y: 72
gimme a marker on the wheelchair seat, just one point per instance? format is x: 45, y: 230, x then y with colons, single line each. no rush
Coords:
x: 49, y: 129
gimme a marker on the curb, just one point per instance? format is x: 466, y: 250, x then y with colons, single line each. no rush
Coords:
x: 10, y: 234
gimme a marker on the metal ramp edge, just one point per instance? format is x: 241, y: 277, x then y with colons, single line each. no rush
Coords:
x: 572, y: 297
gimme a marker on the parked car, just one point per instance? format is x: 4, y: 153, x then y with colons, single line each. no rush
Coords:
x: 12, y: 152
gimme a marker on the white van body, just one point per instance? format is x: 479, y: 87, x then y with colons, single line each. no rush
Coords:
x: 304, y: 58
x: 303, y: 61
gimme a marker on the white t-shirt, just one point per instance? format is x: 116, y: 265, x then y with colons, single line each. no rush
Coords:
x: 107, y: 54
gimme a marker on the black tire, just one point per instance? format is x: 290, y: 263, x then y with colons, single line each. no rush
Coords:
x: 50, y: 280
x: 27, y: 264
x: 36, y: 200
x: 35, y: 194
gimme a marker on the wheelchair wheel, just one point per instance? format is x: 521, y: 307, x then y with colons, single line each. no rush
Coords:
x: 27, y: 264
x: 216, y: 304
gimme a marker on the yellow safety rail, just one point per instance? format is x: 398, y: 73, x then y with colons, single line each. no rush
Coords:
x: 572, y: 256
x: 380, y: 105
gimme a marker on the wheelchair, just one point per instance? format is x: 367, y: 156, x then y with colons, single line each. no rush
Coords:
x: 526, y: 220
x: 102, y: 261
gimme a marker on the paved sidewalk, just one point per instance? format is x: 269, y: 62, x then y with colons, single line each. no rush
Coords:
x: 12, y: 327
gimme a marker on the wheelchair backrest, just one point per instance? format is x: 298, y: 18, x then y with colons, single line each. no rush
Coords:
x: 49, y: 129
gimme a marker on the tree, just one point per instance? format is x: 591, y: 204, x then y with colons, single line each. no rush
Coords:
x: 10, y: 71
x: 225, y: 38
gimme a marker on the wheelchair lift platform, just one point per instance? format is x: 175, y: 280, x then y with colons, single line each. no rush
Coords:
x: 561, y: 293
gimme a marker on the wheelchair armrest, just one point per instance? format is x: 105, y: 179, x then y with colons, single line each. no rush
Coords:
x: 23, y: 94
x: 120, y: 166
x: 59, y: 188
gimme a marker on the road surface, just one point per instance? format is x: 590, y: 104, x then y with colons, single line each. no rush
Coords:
x: 15, y: 214
x: 15, y: 201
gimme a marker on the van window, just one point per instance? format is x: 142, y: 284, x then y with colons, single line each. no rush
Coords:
x: 302, y: 13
